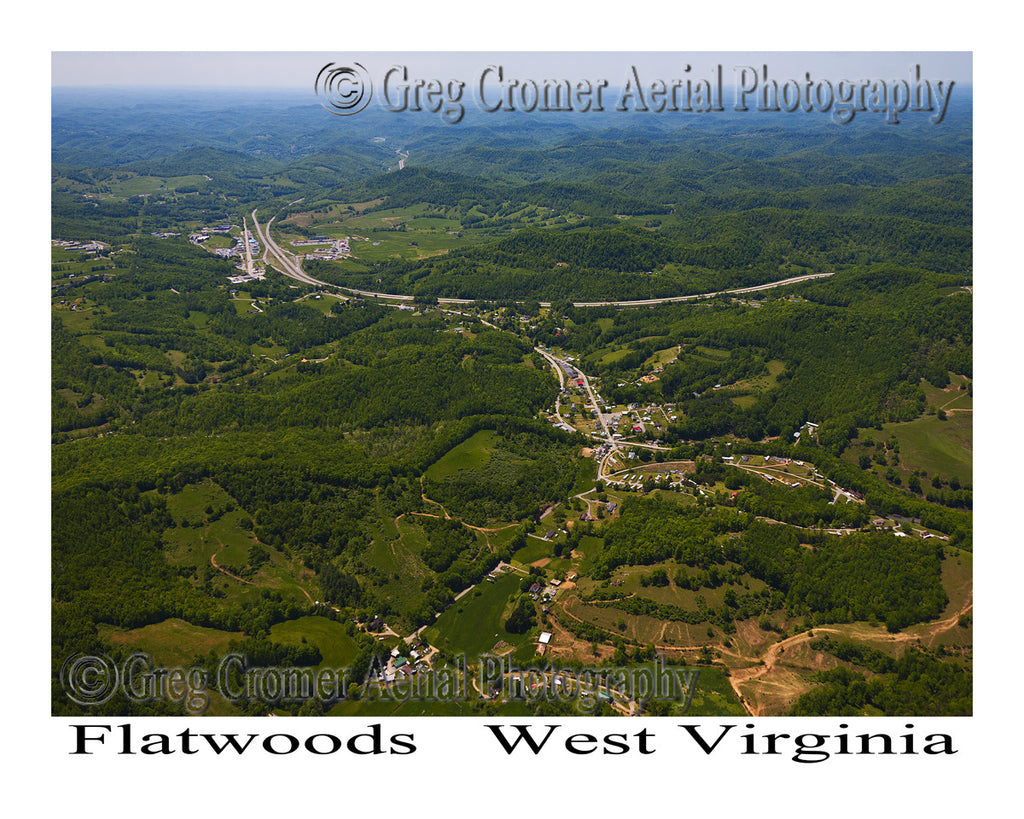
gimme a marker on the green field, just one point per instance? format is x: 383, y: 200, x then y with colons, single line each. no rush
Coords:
x: 534, y: 550
x: 471, y: 454
x: 139, y: 185
x: 640, y: 629
x: 712, y: 353
x: 474, y: 624
x: 202, y: 537
x: 414, y: 232
x: 337, y: 648
x: 172, y: 642
x: 614, y: 355
x: 396, y: 554
x: 662, y: 357
x: 713, y: 696
x: 938, y: 447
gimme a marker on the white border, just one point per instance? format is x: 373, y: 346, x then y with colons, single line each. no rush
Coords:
x: 465, y: 778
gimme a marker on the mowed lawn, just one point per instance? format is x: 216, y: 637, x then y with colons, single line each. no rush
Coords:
x: 472, y: 625
x: 534, y: 550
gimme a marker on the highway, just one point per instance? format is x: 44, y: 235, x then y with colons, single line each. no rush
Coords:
x: 291, y: 265
x: 287, y: 263
x: 671, y: 299
x: 248, y: 248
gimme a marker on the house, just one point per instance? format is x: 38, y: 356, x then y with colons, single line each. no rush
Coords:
x: 545, y: 638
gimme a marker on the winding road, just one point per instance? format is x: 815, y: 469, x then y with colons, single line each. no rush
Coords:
x: 291, y: 265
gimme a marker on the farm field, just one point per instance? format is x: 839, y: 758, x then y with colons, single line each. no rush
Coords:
x: 474, y: 624
x: 936, y: 446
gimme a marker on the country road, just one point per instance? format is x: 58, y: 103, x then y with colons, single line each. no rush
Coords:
x: 561, y: 368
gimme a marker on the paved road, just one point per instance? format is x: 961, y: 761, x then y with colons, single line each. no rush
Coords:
x: 248, y: 248
x: 286, y: 262
x: 559, y: 366
x: 292, y: 266
x: 696, y: 296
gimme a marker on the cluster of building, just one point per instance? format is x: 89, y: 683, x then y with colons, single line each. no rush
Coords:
x: 400, y: 665
x: 809, y: 428
x: 544, y: 594
x: 333, y: 248
x: 82, y: 247
x: 256, y: 276
x: 635, y: 480
x: 203, y: 234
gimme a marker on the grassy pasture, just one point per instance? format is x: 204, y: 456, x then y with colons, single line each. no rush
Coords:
x: 473, y: 624
x: 713, y: 695
x: 534, y: 550
x: 614, y: 355
x: 80, y: 320
x: 949, y: 396
x: 189, y: 504
x: 398, y: 558
x: 588, y: 551
x: 337, y: 648
x: 172, y: 642
x: 471, y: 454
x: 938, y: 447
x: 662, y: 357
x: 198, y: 540
x: 139, y: 185
x: 413, y: 232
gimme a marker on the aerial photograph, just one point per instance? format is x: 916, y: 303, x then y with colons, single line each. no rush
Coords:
x: 511, y: 385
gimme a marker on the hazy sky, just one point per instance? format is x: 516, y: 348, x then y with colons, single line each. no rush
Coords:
x: 299, y: 69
